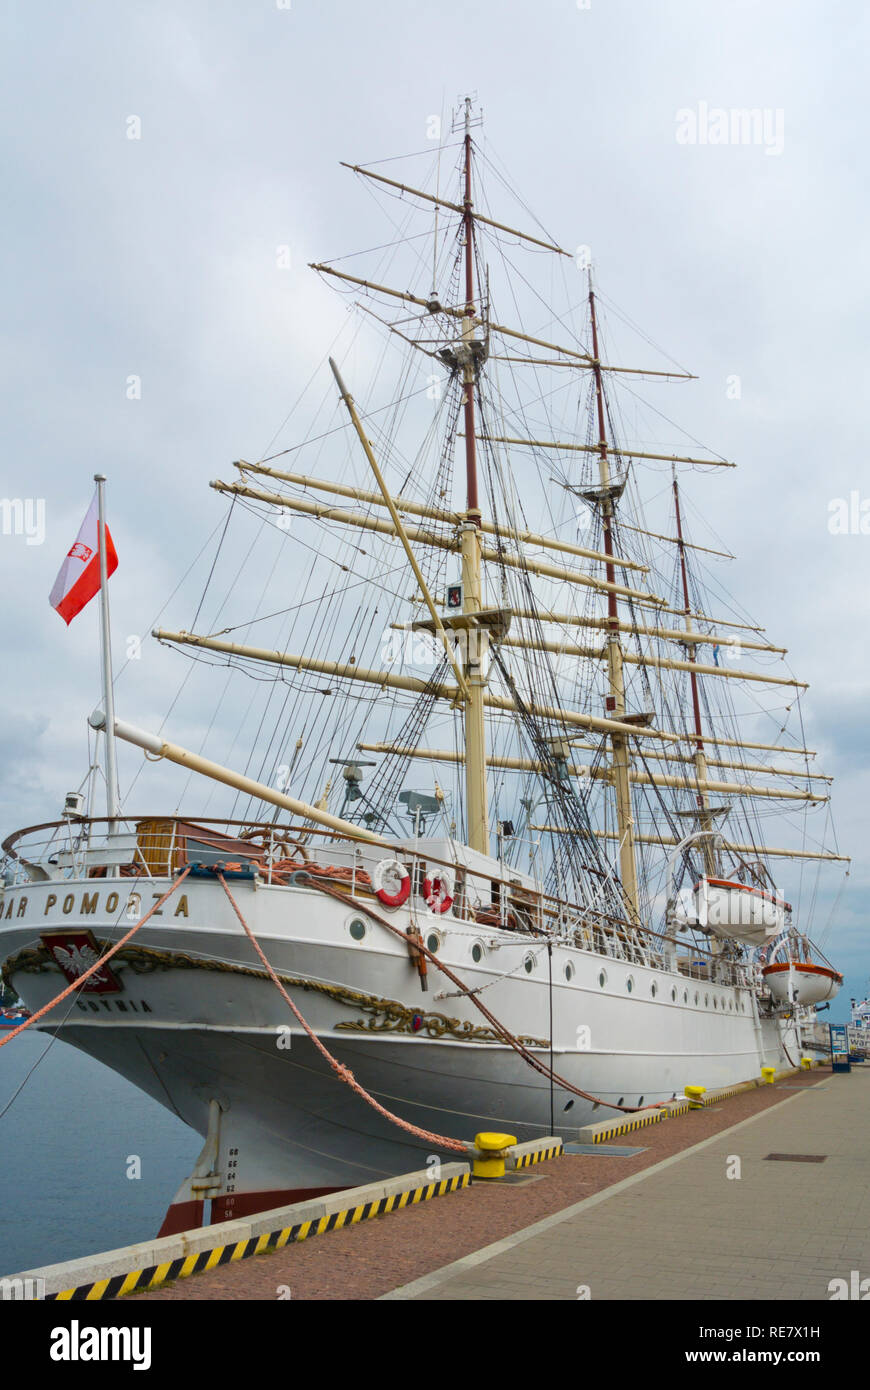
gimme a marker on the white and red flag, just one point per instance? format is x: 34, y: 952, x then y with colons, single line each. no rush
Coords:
x: 79, y: 577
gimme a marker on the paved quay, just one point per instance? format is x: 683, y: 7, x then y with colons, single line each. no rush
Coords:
x: 662, y: 1221
x: 684, y: 1229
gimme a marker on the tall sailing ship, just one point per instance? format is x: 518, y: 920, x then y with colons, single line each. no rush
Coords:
x: 528, y: 779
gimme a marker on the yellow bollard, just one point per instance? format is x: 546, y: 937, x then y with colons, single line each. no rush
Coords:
x: 806, y: 1063
x: 768, y: 1075
x: 694, y: 1095
x: 489, y: 1161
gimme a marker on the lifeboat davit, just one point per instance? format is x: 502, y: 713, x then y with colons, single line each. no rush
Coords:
x: 810, y: 983
x: 739, y: 910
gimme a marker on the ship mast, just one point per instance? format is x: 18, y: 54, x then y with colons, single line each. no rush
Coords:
x: 606, y: 496
x: 477, y: 642
x: 705, y: 815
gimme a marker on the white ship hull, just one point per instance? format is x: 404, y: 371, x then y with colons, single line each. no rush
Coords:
x: 196, y: 1023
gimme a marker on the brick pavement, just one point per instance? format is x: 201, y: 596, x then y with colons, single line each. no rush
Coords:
x: 684, y: 1230
x: 372, y: 1260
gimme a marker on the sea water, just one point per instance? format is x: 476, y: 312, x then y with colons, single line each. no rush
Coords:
x: 87, y: 1162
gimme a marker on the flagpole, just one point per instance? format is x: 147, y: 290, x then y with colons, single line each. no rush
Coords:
x: 112, y: 797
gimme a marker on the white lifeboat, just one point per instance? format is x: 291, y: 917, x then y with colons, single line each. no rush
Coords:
x: 739, y: 910
x: 803, y: 981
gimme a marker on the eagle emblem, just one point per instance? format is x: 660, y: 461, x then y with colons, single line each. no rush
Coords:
x: 75, y: 952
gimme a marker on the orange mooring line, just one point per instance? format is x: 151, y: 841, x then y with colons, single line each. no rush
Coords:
x: 342, y: 1072
x: 98, y: 965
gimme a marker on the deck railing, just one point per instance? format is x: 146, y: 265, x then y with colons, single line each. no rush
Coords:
x: 159, y: 846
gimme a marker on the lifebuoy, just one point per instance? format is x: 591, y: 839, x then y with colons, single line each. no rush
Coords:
x: 388, y: 872
x: 438, y: 892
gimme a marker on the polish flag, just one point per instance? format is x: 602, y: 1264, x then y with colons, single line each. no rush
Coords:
x: 79, y: 577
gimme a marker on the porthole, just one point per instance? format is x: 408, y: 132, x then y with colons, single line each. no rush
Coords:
x: 433, y: 941
x: 629, y: 985
x: 357, y: 928
x: 674, y: 995
x: 529, y: 964
x: 569, y: 971
x: 653, y: 989
x: 602, y: 978
x: 477, y: 953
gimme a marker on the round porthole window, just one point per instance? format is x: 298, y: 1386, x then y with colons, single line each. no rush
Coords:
x: 602, y: 978
x: 433, y: 941
x: 477, y: 953
x: 569, y: 971
x: 529, y: 964
x: 357, y: 928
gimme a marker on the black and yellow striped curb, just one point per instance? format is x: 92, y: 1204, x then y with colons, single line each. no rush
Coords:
x: 652, y: 1117
x: 673, y: 1108
x: 525, y: 1160
x: 139, y: 1280
x: 727, y: 1092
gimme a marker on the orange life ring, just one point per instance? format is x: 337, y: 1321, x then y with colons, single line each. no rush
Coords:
x: 393, y: 867
x: 438, y: 892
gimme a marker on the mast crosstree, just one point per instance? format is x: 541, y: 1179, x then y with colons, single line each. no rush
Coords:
x: 661, y: 733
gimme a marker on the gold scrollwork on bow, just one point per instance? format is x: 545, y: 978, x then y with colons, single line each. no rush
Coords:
x: 384, y: 1015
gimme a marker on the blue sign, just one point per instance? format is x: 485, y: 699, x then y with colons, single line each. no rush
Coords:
x: 839, y: 1047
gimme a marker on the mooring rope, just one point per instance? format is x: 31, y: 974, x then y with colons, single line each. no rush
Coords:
x: 98, y: 964
x: 342, y: 1072
x: 503, y: 1032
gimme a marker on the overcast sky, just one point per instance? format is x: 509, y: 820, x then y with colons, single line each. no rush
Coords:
x: 155, y: 257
